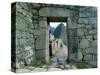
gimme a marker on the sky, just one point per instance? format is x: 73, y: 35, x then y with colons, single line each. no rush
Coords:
x: 55, y: 24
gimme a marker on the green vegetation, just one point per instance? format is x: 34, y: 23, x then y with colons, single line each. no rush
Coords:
x: 80, y: 65
x: 41, y: 65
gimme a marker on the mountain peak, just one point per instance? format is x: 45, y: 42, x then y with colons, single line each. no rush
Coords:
x: 58, y: 30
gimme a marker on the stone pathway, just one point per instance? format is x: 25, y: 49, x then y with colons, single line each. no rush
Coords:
x: 58, y: 63
x: 60, y: 58
x: 37, y: 69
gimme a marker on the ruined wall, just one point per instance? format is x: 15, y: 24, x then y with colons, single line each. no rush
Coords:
x: 72, y: 33
x: 31, y: 31
x: 24, y: 36
x: 87, y: 34
x: 82, y: 34
x: 32, y: 36
x: 24, y: 50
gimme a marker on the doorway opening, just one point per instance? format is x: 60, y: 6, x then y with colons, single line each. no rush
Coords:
x: 57, y: 34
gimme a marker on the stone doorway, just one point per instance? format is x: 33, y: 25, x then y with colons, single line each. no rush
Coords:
x: 30, y: 44
x: 57, y: 37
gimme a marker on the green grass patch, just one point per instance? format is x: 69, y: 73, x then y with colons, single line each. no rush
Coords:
x: 80, y: 65
x: 40, y: 65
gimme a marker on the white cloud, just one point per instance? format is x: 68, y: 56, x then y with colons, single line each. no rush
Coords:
x: 55, y: 24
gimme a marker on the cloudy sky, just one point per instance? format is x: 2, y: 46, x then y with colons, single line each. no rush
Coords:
x: 55, y: 24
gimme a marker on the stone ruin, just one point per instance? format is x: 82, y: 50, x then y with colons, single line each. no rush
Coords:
x: 30, y: 36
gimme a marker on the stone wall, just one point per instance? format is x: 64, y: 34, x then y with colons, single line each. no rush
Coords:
x: 82, y: 34
x: 32, y: 36
x: 87, y: 34
x: 24, y: 42
x: 31, y: 31
x: 24, y: 35
x: 72, y: 33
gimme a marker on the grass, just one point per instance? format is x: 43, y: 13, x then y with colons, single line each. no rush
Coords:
x: 40, y: 65
x: 80, y: 65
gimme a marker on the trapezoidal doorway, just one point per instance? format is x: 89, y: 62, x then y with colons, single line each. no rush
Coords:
x: 58, y: 48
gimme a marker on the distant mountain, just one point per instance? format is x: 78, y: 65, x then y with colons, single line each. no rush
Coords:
x: 60, y: 32
x: 51, y: 30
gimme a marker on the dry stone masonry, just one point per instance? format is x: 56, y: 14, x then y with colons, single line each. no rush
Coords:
x: 30, y: 36
x: 87, y: 34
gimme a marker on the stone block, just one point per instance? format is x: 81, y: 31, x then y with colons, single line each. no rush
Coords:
x: 94, y: 50
x: 43, y: 24
x: 83, y: 20
x: 40, y: 55
x: 17, y: 65
x: 81, y: 25
x: 23, y: 19
x: 18, y: 8
x: 88, y: 57
x: 23, y: 5
x: 17, y: 42
x: 20, y: 23
x: 92, y: 14
x: 89, y: 37
x: 72, y: 33
x: 86, y: 32
x: 93, y: 31
x: 95, y: 37
x: 28, y: 48
x: 92, y: 20
x: 93, y: 63
x: 88, y: 50
x: 94, y: 26
x: 80, y: 32
x: 23, y: 41
x: 94, y: 43
x: 28, y: 61
x: 39, y: 32
x: 82, y: 9
x: 24, y: 12
x: 72, y: 23
x: 34, y: 11
x: 47, y: 11
x: 19, y: 49
x: 83, y: 14
x: 94, y: 9
x: 20, y: 65
x: 84, y: 43
x: 29, y: 42
x: 88, y: 26
x: 26, y: 35
x: 94, y: 57
x: 36, y: 5
x: 29, y: 19
x: 80, y: 56
x: 41, y: 42
x: 24, y: 55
